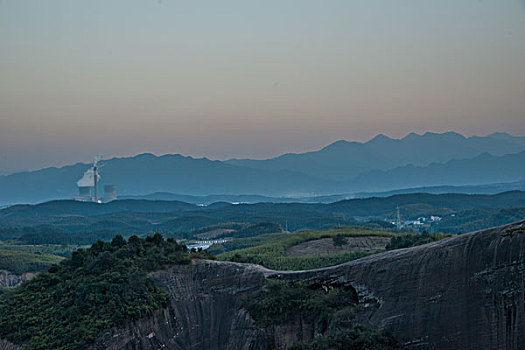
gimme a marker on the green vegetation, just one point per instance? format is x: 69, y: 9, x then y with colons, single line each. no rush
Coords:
x: 22, y: 262
x: 329, y: 309
x: 246, y: 243
x: 269, y: 250
x: 339, y: 240
x: 51, y: 249
x: 345, y: 335
x: 275, y: 261
x: 238, y: 230
x: 412, y: 240
x: 64, y: 238
x: 254, y: 230
x: 511, y: 231
x: 96, y: 289
x: 477, y: 219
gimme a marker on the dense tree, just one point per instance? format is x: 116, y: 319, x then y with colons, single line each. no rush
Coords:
x: 96, y: 289
x: 339, y: 240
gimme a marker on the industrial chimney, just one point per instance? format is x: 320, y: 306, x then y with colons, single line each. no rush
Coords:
x: 95, y: 177
x: 110, y: 193
x: 95, y: 180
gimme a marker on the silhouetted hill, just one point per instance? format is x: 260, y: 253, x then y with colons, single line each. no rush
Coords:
x: 377, y: 165
x: 343, y: 160
x: 141, y: 216
x: 427, y: 203
x: 482, y: 169
x: 468, y: 189
x: 206, y: 200
x: 70, y: 207
x: 146, y: 173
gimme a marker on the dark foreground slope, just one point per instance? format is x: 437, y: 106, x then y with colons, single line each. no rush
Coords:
x: 465, y: 292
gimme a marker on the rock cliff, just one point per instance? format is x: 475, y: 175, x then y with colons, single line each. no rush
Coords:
x: 5, y: 345
x: 465, y: 292
x: 7, y: 279
x: 205, y: 311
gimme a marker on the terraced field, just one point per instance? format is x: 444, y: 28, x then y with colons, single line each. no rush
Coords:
x: 325, y: 246
x: 304, y: 250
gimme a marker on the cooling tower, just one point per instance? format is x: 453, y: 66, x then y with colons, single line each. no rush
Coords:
x: 84, y: 191
x: 110, y: 193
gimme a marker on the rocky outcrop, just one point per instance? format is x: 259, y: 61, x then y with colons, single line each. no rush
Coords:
x: 7, y: 279
x: 205, y: 311
x: 465, y: 292
x: 5, y: 345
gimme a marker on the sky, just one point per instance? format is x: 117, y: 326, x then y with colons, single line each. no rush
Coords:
x: 250, y: 79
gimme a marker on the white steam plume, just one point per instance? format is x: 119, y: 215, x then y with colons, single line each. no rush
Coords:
x: 89, y: 176
x: 88, y: 179
x: 96, y: 159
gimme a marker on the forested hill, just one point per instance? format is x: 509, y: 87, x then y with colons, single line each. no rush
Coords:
x: 71, y: 207
x: 99, y: 288
x: 354, y: 207
x: 70, y: 222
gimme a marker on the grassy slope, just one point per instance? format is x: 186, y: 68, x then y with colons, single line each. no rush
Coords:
x: 51, y: 249
x: 18, y: 262
x: 269, y: 250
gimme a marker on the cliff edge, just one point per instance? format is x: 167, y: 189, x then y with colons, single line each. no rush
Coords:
x: 465, y: 292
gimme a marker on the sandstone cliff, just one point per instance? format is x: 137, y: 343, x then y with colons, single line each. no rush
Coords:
x: 7, y: 279
x: 5, y: 345
x: 465, y: 292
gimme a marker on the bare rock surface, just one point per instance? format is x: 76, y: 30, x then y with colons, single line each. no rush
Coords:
x: 8, y: 279
x: 205, y: 311
x: 325, y: 246
x: 465, y: 292
x: 5, y: 345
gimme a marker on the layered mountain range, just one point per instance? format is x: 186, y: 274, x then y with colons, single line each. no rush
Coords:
x: 381, y: 164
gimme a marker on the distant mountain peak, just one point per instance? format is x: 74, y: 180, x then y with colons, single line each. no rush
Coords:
x: 427, y: 134
x: 453, y: 134
x: 380, y: 138
x: 144, y: 156
x: 338, y: 144
x: 411, y: 135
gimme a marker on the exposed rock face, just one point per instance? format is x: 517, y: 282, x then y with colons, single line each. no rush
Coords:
x: 7, y: 279
x: 5, y: 345
x: 465, y: 292
x: 205, y: 311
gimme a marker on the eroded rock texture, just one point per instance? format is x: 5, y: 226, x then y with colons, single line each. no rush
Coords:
x: 7, y: 279
x: 466, y: 292
x: 205, y: 311
x: 5, y: 345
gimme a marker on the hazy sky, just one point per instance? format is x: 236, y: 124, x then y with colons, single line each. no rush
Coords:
x: 250, y: 78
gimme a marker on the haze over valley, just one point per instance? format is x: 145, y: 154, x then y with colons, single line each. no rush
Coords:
x: 263, y: 175
x: 342, y: 168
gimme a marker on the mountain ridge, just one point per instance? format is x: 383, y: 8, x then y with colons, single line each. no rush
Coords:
x: 383, y: 153
x: 380, y: 164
